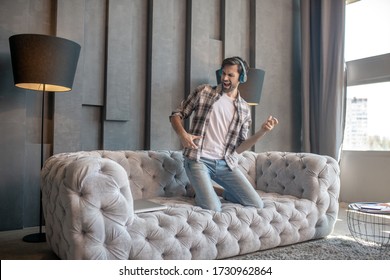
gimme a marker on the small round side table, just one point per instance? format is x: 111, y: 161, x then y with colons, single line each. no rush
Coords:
x: 369, y: 227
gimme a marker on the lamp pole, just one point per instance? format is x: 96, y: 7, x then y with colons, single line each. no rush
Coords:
x: 40, y: 236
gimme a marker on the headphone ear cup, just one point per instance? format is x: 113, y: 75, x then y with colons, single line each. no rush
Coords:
x: 243, y: 77
x: 219, y: 75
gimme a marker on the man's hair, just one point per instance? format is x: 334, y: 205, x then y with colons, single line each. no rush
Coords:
x: 235, y: 60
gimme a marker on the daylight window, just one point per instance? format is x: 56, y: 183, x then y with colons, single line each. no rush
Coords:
x: 367, y: 49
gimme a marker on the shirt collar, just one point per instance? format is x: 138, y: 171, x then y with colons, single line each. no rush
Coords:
x: 239, y: 99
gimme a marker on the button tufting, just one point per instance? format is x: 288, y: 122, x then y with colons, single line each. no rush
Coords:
x: 240, y: 226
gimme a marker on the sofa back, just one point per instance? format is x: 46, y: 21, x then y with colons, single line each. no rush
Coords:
x: 152, y: 173
x: 162, y: 173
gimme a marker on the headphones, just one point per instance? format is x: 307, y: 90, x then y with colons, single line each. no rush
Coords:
x: 243, y: 75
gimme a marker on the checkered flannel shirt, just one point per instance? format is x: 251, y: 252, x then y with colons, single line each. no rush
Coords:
x: 201, y: 101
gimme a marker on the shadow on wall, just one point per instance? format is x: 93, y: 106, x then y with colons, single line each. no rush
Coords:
x: 6, y: 80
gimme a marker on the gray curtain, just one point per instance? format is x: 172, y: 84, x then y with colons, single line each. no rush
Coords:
x: 322, y: 76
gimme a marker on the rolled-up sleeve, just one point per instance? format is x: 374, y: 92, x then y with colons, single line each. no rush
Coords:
x: 243, y: 134
x: 187, y: 106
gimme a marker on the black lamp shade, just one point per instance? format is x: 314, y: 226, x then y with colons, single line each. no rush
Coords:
x: 251, y: 89
x: 39, y: 60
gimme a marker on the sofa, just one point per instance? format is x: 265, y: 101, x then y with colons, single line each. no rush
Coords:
x: 88, y: 199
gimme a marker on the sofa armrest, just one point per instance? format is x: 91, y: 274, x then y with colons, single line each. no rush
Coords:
x: 87, y: 205
x: 303, y: 175
x: 306, y: 176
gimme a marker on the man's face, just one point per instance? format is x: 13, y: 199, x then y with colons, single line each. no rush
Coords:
x: 229, y: 78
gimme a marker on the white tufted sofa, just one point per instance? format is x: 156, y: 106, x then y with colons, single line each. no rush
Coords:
x: 88, y: 206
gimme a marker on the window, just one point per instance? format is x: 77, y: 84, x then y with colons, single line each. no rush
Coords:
x: 368, y: 117
x: 367, y: 52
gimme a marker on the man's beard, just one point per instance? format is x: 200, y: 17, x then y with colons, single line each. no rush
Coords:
x: 228, y: 89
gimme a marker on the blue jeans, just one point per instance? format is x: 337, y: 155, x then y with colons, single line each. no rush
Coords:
x: 237, y: 188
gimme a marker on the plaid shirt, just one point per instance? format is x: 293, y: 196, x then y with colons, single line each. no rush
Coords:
x: 201, y: 101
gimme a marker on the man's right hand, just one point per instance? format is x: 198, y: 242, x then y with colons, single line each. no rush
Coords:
x: 187, y: 140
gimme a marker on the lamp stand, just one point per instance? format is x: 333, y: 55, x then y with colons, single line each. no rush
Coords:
x: 253, y: 124
x: 43, y: 62
x: 40, y: 236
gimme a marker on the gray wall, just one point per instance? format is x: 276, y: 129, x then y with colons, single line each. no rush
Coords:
x: 139, y: 58
x: 364, y: 176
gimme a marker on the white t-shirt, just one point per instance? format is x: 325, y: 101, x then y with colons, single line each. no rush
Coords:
x: 214, y: 144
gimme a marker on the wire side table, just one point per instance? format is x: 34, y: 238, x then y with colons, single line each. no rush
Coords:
x: 369, y: 228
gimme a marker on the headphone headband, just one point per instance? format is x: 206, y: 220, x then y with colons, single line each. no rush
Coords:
x: 243, y: 75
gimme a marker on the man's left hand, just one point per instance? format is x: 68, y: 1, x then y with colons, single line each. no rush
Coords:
x: 270, y: 123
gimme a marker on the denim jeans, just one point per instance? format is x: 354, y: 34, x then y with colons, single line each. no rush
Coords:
x: 237, y: 188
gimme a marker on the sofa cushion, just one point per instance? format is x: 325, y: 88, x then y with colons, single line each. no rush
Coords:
x: 184, y: 231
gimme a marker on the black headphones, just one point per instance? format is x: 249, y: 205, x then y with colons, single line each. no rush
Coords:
x: 243, y: 76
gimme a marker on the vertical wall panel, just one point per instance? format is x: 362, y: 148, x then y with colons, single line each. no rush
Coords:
x: 274, y: 44
x: 118, y: 60
x: 68, y: 105
x: 214, y: 7
x: 236, y: 28
x: 198, y: 44
x: 167, y: 68
x: 216, y: 44
x: 121, y: 136
x: 137, y: 76
x: 91, y: 134
x: 12, y: 173
x: 94, y: 52
x: 131, y: 66
x: 216, y: 57
x: 12, y: 139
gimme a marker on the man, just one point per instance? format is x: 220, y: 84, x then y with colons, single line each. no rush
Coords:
x: 218, y: 133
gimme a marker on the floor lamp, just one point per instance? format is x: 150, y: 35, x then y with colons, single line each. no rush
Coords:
x: 47, y: 64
